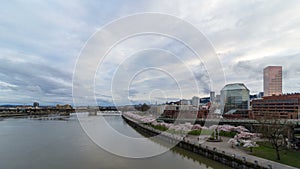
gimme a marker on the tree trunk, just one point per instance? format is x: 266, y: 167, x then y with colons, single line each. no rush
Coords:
x: 277, y: 154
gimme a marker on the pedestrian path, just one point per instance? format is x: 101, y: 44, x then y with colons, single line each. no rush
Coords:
x: 237, y: 153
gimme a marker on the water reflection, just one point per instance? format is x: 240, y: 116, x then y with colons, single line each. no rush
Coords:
x: 48, y: 144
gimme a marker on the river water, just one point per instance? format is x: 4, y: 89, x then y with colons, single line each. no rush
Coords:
x: 62, y: 144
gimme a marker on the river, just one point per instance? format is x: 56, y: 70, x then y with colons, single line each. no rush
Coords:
x: 62, y: 144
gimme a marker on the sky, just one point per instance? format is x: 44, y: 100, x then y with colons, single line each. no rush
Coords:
x: 41, y: 41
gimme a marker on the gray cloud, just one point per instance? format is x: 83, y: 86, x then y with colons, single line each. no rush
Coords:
x: 35, y: 81
x: 40, y: 42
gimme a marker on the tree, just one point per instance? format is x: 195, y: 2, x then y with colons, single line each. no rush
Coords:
x: 250, y: 144
x: 276, y: 132
x: 233, y: 141
x: 144, y: 107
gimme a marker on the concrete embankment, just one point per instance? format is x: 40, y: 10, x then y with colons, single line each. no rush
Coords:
x: 217, y: 153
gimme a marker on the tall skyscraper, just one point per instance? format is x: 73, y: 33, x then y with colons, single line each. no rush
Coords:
x: 212, y: 96
x: 272, y: 80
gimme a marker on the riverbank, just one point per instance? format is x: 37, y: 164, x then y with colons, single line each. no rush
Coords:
x: 220, y: 152
x: 33, y: 114
x: 37, y: 117
x: 44, y: 111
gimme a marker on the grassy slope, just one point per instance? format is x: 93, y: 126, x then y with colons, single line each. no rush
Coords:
x: 291, y: 158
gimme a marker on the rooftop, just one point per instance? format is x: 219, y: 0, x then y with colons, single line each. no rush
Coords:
x: 235, y: 86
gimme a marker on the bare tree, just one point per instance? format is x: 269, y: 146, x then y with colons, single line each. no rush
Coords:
x: 276, y: 132
x: 142, y: 107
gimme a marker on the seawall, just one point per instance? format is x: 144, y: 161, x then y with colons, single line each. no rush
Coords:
x: 221, y: 156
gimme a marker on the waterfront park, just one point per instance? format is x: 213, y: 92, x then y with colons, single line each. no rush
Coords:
x: 233, y: 139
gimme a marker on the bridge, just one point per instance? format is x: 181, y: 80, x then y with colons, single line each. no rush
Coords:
x: 103, y: 111
x: 108, y: 108
x: 109, y: 113
x: 224, y: 121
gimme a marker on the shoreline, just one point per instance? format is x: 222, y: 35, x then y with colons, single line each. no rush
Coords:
x: 230, y: 157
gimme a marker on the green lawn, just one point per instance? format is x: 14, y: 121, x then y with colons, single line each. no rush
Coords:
x: 198, y: 132
x: 288, y: 157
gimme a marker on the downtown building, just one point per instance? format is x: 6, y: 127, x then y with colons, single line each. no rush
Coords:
x: 272, y: 80
x: 276, y: 107
x: 197, y: 108
x: 235, y: 101
x: 180, y: 110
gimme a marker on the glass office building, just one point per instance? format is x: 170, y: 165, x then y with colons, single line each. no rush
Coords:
x: 235, y: 97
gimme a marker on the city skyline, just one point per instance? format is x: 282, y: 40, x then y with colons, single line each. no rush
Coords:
x: 117, y: 84
x: 40, y: 42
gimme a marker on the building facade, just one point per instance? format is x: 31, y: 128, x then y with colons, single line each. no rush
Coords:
x: 195, y: 101
x: 235, y: 97
x: 276, y: 107
x: 185, y: 102
x: 212, y: 96
x: 272, y: 80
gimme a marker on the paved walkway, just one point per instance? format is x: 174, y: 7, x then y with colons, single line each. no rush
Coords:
x: 237, y: 152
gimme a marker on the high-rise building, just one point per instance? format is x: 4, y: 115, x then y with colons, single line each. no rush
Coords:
x: 36, y: 104
x: 212, y: 96
x: 272, y: 80
x: 195, y: 101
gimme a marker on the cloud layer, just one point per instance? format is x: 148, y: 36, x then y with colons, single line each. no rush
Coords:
x: 40, y: 42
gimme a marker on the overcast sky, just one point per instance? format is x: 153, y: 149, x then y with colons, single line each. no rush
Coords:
x: 40, y: 42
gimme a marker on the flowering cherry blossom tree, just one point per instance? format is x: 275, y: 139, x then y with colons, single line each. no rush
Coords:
x: 243, y: 136
x: 233, y: 141
x: 250, y: 144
